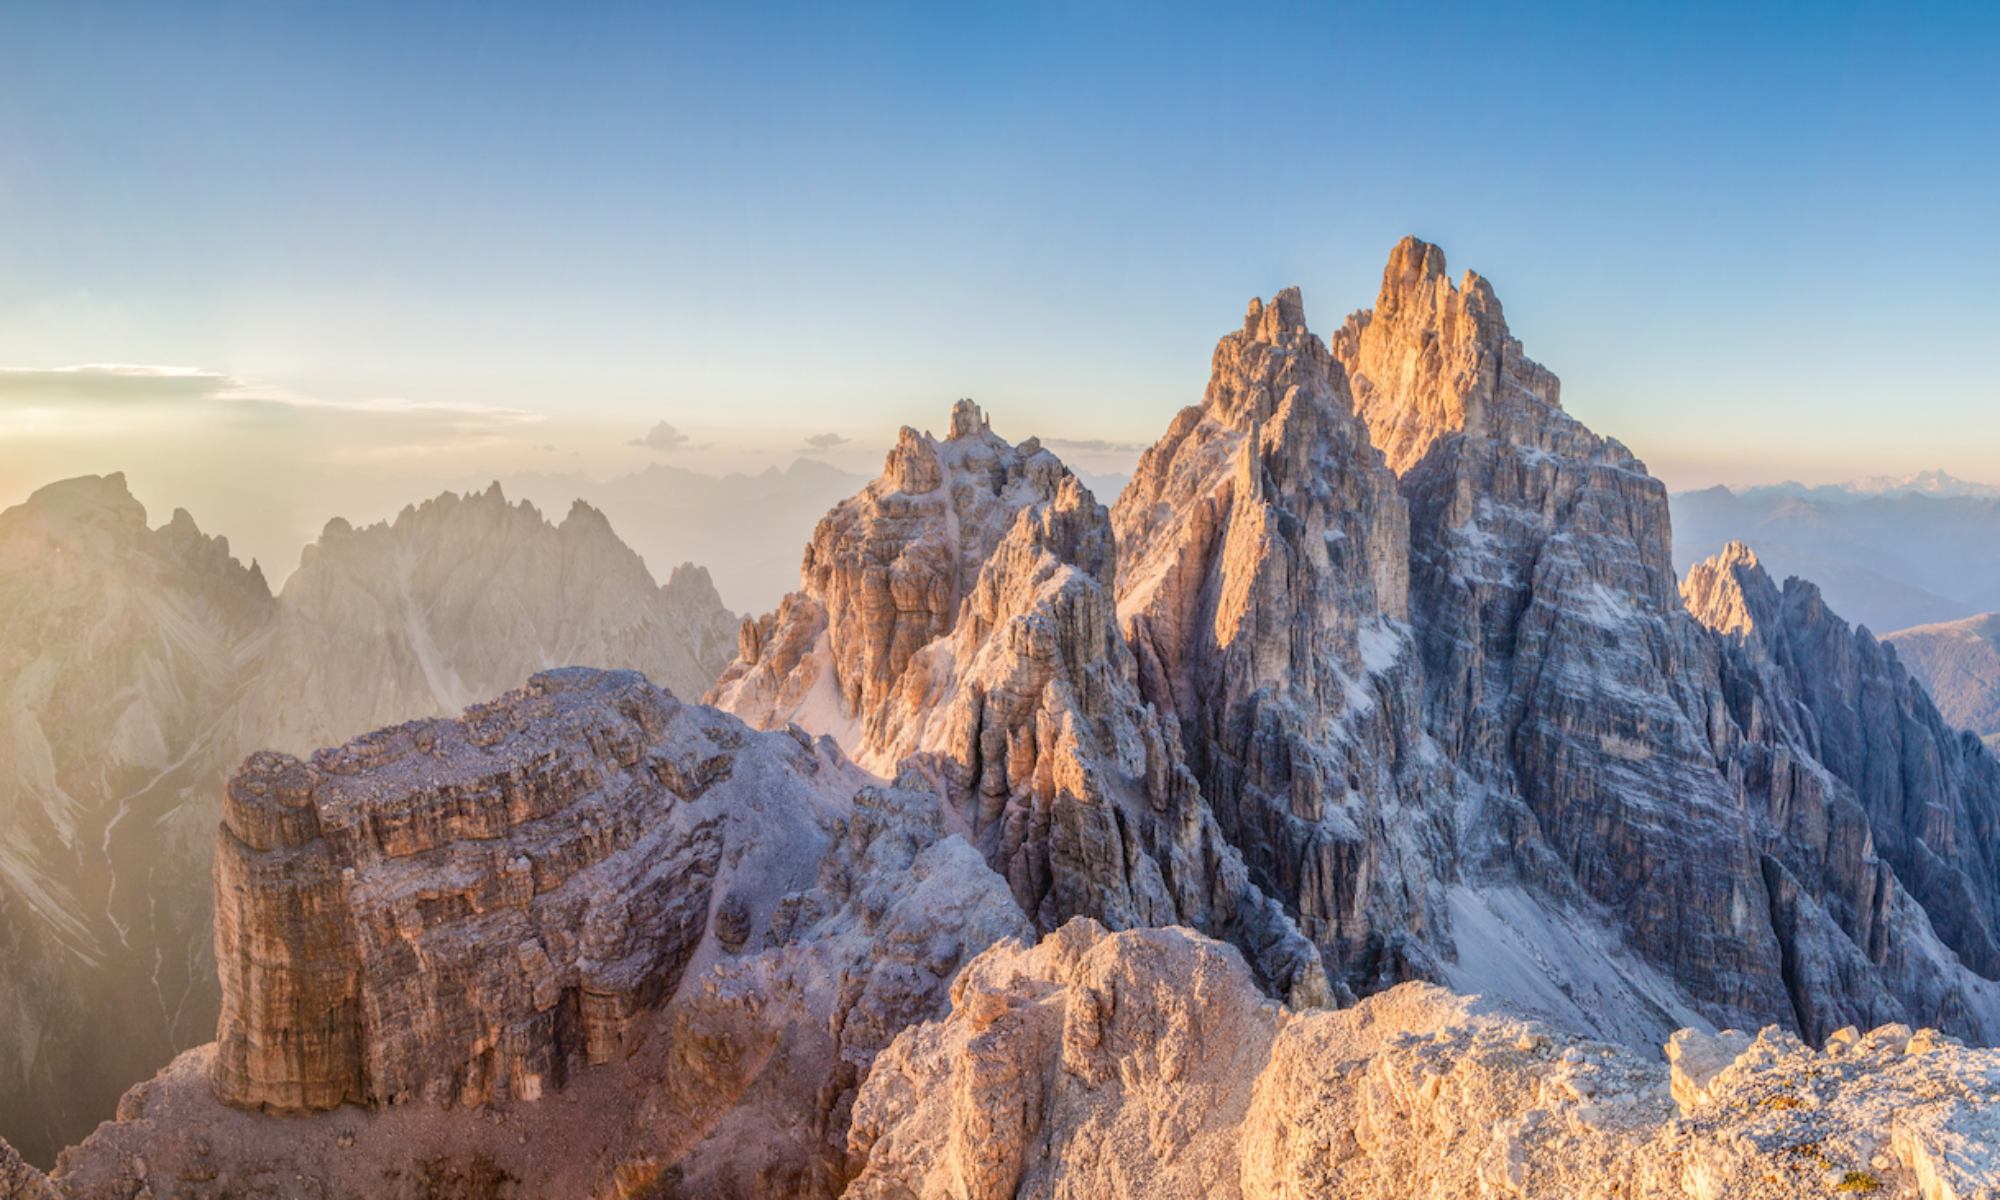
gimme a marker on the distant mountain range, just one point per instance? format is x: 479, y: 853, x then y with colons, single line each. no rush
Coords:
x: 748, y: 530
x: 1917, y: 551
x: 1935, y: 484
x: 1959, y: 663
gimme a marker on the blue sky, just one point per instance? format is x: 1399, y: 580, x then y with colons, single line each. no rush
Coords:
x: 1755, y: 241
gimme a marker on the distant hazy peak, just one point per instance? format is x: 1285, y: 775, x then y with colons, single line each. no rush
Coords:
x: 1934, y: 484
x: 102, y: 500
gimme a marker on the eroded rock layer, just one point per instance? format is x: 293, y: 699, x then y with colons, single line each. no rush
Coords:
x: 585, y: 941
x: 1263, y: 582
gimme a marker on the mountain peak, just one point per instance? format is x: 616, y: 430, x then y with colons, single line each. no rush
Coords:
x: 1731, y: 592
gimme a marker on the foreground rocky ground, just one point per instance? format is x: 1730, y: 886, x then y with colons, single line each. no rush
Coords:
x: 1144, y: 1064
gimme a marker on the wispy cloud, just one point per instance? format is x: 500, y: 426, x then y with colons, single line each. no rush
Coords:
x: 664, y: 439
x: 112, y: 383
x: 826, y: 441
x: 1094, y: 445
x: 129, y: 383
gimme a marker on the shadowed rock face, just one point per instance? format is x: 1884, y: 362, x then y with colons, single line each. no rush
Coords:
x: 1263, y: 585
x: 1869, y: 789
x: 1562, y: 676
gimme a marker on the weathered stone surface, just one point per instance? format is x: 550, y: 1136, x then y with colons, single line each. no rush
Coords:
x: 1870, y: 808
x: 1022, y: 708
x: 581, y: 1026
x: 1143, y: 1064
x: 466, y: 910
x: 883, y: 578
x: 1263, y: 584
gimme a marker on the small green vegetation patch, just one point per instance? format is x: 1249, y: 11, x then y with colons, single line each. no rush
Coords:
x: 1858, y: 1181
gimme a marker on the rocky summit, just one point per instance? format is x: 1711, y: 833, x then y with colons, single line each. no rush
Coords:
x: 1359, y: 806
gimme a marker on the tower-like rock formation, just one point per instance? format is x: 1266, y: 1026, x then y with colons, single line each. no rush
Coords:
x: 1562, y: 676
x: 1875, y: 817
x: 1263, y: 585
x: 1022, y: 707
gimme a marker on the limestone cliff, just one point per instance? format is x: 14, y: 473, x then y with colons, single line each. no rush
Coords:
x: 1869, y: 801
x: 585, y: 941
x: 1263, y: 583
x: 1022, y: 707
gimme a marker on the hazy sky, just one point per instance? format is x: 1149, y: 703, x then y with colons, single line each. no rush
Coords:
x: 410, y: 243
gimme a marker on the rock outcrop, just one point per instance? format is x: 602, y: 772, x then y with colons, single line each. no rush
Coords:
x: 1144, y: 1064
x: 883, y: 578
x: 1445, y: 707
x: 586, y: 940
x: 1868, y: 795
x: 1263, y: 582
x: 1562, y: 676
x: 1022, y: 706
x: 122, y: 648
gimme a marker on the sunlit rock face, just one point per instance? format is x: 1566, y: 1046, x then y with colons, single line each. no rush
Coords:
x: 1022, y: 708
x: 1443, y: 706
x: 1263, y: 584
x: 1145, y: 1064
x: 1562, y: 676
x: 459, y: 599
x: 122, y: 648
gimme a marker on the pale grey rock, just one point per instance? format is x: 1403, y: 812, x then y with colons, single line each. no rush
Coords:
x: 1020, y: 705
x: 1874, y: 806
x: 1263, y: 585
x: 1143, y: 1064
